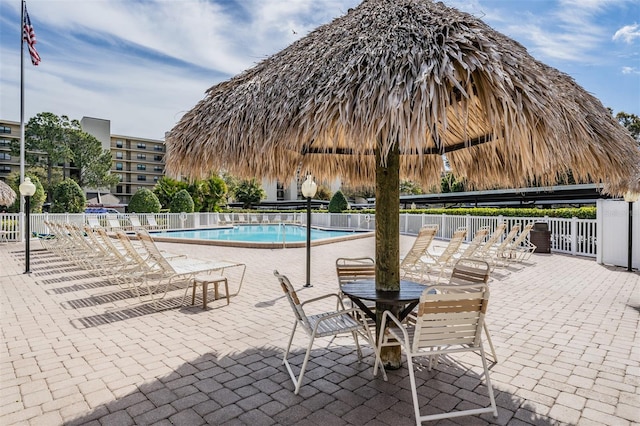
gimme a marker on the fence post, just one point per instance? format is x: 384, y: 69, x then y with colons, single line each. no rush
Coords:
x: 574, y: 235
x: 468, y: 226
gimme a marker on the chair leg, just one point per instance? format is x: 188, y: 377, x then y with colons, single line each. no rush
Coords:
x: 488, y: 379
x: 414, y: 389
x: 493, y: 351
x: 286, y: 353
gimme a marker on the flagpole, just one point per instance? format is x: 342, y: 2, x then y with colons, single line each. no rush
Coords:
x: 22, y: 99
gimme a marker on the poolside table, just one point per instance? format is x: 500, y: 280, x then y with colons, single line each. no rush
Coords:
x: 400, y: 303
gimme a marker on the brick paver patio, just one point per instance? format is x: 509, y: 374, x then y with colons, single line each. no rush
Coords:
x: 76, y: 350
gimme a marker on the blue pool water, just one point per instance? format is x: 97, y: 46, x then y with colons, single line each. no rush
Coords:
x: 275, y: 233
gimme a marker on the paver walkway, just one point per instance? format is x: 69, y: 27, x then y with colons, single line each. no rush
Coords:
x: 78, y: 351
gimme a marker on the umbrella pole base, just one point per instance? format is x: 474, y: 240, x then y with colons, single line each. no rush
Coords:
x: 391, y: 357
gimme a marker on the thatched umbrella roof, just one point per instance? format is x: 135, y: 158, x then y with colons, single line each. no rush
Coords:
x: 7, y: 195
x: 386, y: 90
x: 418, y: 74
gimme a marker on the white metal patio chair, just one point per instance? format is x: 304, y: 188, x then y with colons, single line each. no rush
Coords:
x: 446, y: 324
x: 341, y: 321
x: 468, y: 271
x: 151, y: 222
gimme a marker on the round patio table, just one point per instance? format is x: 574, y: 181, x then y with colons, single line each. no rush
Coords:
x: 400, y: 303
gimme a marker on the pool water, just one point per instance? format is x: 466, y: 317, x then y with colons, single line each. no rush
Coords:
x: 276, y: 233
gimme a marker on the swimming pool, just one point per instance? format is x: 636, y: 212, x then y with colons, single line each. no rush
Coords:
x: 261, y: 236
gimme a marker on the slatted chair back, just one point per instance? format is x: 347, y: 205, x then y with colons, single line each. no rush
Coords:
x: 114, y: 223
x: 470, y: 271
x: 452, y: 247
x: 420, y: 246
x: 450, y: 318
x: 131, y: 251
x: 350, y: 269
x: 476, y: 243
x: 511, y: 236
x: 493, y: 239
x: 93, y: 221
x: 154, y: 257
x: 293, y: 299
x: 522, y: 236
x: 135, y: 222
x: 151, y: 221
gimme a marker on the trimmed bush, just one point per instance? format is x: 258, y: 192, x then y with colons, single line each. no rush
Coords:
x: 181, y: 202
x: 144, y: 201
x: 338, y: 203
x: 68, y: 197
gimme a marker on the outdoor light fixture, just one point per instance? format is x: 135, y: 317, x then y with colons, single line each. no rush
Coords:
x: 309, y: 189
x: 630, y: 197
x: 27, y: 189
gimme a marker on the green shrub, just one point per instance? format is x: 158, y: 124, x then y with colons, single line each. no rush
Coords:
x: 338, y: 203
x: 567, y: 213
x: 37, y: 200
x: 144, y: 201
x: 181, y: 202
x: 68, y: 197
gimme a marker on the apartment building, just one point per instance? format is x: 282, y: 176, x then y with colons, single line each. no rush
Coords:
x: 138, y: 162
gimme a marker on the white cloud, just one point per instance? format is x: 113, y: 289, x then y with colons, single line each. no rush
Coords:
x: 630, y: 70
x: 628, y: 33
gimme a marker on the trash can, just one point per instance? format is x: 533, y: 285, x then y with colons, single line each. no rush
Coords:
x: 541, y: 237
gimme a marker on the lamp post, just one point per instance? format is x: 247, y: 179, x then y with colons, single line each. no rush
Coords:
x: 630, y: 197
x: 309, y: 189
x: 27, y: 189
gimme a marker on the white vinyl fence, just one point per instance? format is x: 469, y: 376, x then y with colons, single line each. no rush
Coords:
x: 573, y: 236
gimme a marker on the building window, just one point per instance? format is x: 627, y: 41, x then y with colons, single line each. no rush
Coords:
x: 119, y: 189
x: 155, y: 178
x: 142, y: 156
x: 157, y: 157
x: 5, y: 142
x: 118, y: 166
x: 119, y: 155
x: 5, y: 169
x: 142, y: 177
x: 142, y: 167
x: 158, y: 148
x: 157, y: 168
x: 119, y: 143
x: 142, y: 145
x: 5, y: 129
x: 5, y: 156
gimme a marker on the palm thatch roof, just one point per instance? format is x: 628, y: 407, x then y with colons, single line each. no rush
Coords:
x: 7, y: 195
x: 415, y: 73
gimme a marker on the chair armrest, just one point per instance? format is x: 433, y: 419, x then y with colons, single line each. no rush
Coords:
x: 315, y: 299
x: 383, y: 326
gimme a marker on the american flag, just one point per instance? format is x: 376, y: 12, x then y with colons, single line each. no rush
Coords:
x: 29, y: 36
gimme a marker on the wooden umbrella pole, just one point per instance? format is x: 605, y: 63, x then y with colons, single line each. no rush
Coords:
x: 388, y: 240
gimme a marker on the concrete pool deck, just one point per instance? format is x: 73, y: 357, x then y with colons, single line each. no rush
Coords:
x: 76, y: 350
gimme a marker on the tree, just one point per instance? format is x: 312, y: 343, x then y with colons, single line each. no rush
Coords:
x: 37, y: 200
x: 450, y: 183
x: 249, y: 192
x: 93, y: 162
x: 182, y: 202
x: 631, y: 122
x: 166, y: 188
x: 144, y: 201
x: 408, y: 187
x: 338, y: 203
x: 46, y: 143
x: 68, y: 198
x: 208, y: 194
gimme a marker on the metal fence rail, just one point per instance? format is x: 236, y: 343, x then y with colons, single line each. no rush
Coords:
x: 572, y: 236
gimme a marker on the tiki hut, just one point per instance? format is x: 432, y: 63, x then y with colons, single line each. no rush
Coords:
x: 384, y: 92
x: 7, y: 195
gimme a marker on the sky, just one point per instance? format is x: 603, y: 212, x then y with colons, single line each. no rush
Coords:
x: 142, y: 64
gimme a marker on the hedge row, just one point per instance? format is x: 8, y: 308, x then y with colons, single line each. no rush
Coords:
x: 568, y: 213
